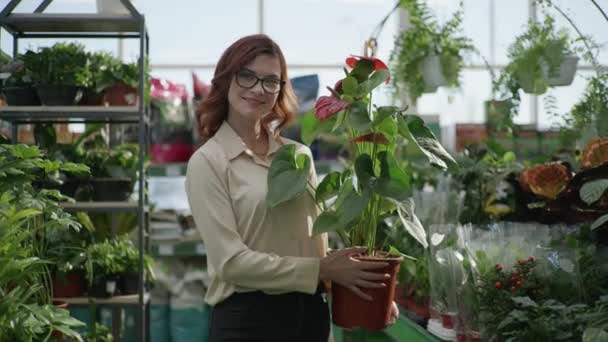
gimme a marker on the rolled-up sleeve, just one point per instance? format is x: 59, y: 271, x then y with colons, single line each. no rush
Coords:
x: 228, y: 257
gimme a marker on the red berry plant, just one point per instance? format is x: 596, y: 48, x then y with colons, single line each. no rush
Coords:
x: 498, y: 286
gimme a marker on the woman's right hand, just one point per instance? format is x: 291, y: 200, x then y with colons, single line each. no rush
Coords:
x: 340, y: 267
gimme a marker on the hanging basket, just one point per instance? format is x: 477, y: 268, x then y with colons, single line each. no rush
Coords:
x: 565, y: 73
x: 432, y: 73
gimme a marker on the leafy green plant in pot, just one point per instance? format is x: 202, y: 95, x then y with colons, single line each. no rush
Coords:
x: 100, y: 64
x: 114, y: 172
x: 372, y: 187
x: 540, y: 57
x: 120, y: 84
x: 129, y: 256
x: 18, y: 88
x: 26, y: 312
x: 61, y: 73
x: 103, y: 265
x: 428, y: 55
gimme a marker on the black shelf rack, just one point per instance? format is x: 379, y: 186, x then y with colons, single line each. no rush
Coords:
x: 123, y: 26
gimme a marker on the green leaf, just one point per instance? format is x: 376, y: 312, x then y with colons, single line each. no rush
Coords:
x: 428, y: 144
x: 410, y: 222
x: 384, y: 112
x: 73, y: 167
x: 340, y: 117
x: 600, y: 222
x: 595, y: 335
x: 358, y: 116
x: 592, y: 191
x: 328, y: 221
x: 353, y: 206
x: 376, y: 79
x: 329, y: 186
x: 349, y: 86
x: 285, y: 179
x: 362, y: 70
x: 393, y: 181
x: 393, y: 250
x: 364, y: 169
x: 389, y: 128
x: 310, y: 127
x: 525, y: 302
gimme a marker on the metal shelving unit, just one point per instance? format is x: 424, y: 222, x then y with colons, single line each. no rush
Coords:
x: 128, y: 26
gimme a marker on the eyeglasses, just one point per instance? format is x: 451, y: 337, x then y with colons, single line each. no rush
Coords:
x: 247, y: 79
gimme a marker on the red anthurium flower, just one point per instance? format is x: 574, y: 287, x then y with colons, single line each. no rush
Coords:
x: 327, y: 106
x: 378, y: 64
x: 377, y: 138
x: 338, y: 86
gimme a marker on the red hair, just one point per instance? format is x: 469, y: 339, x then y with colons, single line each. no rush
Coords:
x: 214, y: 109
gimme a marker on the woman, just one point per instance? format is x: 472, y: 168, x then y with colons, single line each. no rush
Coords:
x: 266, y: 270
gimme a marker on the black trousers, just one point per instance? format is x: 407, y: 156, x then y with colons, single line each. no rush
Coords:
x: 259, y: 317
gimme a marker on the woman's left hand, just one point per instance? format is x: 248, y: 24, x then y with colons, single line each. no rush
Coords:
x: 393, y: 315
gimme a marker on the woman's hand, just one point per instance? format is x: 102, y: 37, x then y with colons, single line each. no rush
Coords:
x: 394, y: 314
x: 340, y: 267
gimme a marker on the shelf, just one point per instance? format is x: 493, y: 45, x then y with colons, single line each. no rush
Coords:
x: 177, y: 248
x: 101, y: 206
x: 28, y: 114
x: 115, y: 301
x: 49, y: 23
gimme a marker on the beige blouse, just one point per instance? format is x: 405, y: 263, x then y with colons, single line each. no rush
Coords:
x: 249, y: 245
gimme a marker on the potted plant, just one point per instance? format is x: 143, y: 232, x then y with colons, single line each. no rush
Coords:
x: 372, y: 188
x: 99, y: 65
x: 26, y: 312
x: 428, y: 55
x: 18, y: 88
x: 103, y: 266
x: 539, y: 58
x: 120, y: 84
x: 113, y: 172
x: 60, y: 73
x: 129, y: 256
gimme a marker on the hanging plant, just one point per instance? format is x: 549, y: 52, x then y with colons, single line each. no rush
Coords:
x: 428, y: 55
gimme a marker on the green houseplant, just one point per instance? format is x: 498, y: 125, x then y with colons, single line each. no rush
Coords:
x: 18, y: 88
x: 428, y: 55
x: 356, y: 202
x: 540, y: 57
x: 60, y: 73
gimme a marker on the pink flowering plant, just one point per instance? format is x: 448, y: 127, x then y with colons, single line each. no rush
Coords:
x: 373, y: 192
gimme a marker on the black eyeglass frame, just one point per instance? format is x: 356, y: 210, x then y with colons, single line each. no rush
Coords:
x: 258, y: 80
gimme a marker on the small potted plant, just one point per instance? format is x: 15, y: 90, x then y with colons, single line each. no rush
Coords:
x: 18, y: 88
x: 113, y: 172
x: 103, y: 265
x: 61, y: 73
x: 99, y: 64
x: 120, y: 84
x: 428, y: 55
x: 372, y: 188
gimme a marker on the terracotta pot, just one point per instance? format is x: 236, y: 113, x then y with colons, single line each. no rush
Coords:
x: 68, y: 285
x: 120, y: 94
x: 448, y: 319
x: 350, y: 311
